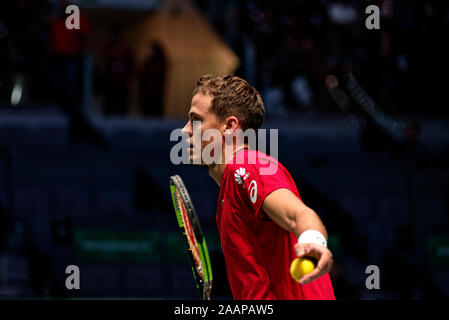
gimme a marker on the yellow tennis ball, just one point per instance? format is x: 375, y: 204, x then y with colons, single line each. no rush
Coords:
x: 301, y: 267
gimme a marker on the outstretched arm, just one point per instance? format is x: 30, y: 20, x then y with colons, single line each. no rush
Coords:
x: 289, y: 212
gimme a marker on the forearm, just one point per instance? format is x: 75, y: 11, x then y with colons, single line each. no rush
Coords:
x: 306, y: 219
x: 290, y: 213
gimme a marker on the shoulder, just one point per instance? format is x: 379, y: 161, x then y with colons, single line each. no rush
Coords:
x: 254, y: 164
x: 252, y: 158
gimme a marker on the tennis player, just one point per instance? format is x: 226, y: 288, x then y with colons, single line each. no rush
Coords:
x: 262, y: 222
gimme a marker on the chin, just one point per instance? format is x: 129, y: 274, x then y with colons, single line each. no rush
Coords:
x: 196, y: 163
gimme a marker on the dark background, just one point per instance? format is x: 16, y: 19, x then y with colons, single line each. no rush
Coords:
x: 84, y: 177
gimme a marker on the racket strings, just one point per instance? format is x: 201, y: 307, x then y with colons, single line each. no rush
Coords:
x: 188, y: 231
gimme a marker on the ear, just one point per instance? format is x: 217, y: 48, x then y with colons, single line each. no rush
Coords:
x: 231, y: 124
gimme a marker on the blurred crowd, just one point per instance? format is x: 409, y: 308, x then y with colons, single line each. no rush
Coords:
x: 292, y: 45
x: 117, y: 73
x: 42, y: 61
x: 287, y: 48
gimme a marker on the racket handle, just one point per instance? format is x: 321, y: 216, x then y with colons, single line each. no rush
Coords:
x: 300, y: 267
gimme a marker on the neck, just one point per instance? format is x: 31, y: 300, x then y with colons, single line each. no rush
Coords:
x: 216, y: 170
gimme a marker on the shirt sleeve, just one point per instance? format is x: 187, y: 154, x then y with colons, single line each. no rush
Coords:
x: 255, y: 184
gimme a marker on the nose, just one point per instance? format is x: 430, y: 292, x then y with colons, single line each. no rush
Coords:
x: 187, y: 129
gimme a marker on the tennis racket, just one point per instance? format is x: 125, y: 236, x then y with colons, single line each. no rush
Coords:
x: 193, y: 236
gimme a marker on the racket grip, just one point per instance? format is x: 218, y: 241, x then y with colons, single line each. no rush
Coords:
x: 301, y: 266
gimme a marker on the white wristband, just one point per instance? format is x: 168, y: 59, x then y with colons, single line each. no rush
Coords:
x: 312, y: 236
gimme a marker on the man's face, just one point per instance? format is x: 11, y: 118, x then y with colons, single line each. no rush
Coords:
x: 199, y: 112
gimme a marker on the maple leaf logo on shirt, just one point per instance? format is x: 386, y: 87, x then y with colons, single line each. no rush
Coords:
x: 241, y: 175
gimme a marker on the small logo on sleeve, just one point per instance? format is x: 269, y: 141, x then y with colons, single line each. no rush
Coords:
x: 253, y: 191
x: 241, y: 175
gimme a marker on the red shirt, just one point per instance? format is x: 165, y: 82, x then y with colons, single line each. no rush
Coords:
x: 257, y: 251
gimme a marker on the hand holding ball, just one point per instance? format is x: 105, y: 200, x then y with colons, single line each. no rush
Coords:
x: 301, y: 267
x: 317, y: 244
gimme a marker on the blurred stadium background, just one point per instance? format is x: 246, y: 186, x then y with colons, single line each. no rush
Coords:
x: 86, y: 115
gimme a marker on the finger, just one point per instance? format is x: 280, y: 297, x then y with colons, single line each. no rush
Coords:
x: 311, y: 276
x: 307, y: 250
x: 302, y: 249
x: 299, y: 250
x: 315, y: 274
x: 322, y: 267
x: 318, y: 272
x: 318, y: 252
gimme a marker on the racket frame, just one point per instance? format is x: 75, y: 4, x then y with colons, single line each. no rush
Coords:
x: 204, y: 286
